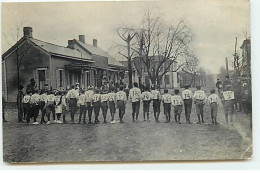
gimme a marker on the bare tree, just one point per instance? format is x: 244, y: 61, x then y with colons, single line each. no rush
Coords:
x: 127, y: 35
x: 191, y: 65
x: 159, y: 46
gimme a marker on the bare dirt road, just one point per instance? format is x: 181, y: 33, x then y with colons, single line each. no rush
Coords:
x: 131, y: 141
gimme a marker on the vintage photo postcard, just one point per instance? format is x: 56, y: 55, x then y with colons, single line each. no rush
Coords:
x: 122, y: 81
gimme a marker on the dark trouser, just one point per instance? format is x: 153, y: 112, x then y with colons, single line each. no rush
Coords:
x: 58, y: 116
x: 50, y: 109
x: 199, y: 110
x: 214, y: 110
x: 104, y: 112
x: 26, y: 108
x: 35, y: 111
x: 121, y: 109
x: 96, y: 106
x: 43, y: 111
x: 89, y: 108
x: 112, y: 108
x: 187, y: 107
x: 177, y: 113
x: 135, y: 109
x: 229, y: 109
x: 82, y: 110
x: 167, y: 111
x: 156, y: 108
x: 20, y: 111
x: 73, y: 108
x: 146, y: 107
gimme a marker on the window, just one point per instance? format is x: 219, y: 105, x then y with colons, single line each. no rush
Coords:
x: 167, y: 79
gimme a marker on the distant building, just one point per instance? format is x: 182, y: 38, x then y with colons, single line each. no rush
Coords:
x: 170, y: 80
x: 246, y: 58
x: 56, y: 65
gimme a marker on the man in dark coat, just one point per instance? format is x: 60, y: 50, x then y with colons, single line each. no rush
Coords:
x: 30, y: 88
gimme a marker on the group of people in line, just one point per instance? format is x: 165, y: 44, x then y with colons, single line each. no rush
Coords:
x: 96, y: 100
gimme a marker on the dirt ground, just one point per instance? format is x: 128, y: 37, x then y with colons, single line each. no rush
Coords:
x: 131, y: 141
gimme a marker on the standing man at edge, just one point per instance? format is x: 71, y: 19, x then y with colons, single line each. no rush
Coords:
x: 135, y: 96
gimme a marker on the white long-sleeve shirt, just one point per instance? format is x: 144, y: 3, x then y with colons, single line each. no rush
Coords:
x: 135, y: 94
x: 72, y: 94
x: 89, y: 94
x: 156, y: 94
x: 121, y: 96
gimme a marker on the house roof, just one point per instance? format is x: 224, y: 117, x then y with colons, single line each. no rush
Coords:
x: 100, y: 52
x: 51, y: 49
x: 60, y: 50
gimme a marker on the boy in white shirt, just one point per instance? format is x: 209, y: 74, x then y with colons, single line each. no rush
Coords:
x: 26, y: 106
x: 156, y: 102
x: 58, y: 106
x: 104, y: 104
x: 121, y: 101
x: 135, y: 96
x: 82, y: 106
x: 43, y: 100
x: 146, y: 97
x: 89, y: 107
x: 177, y: 104
x: 200, y: 99
x: 187, y: 99
x: 166, y: 99
x: 214, y: 101
x: 96, y: 105
x: 50, y: 107
x: 35, y: 99
x: 112, y: 103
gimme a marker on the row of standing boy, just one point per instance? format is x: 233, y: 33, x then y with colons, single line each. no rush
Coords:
x: 49, y: 102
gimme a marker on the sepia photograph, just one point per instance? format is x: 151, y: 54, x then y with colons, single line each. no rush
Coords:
x: 126, y: 81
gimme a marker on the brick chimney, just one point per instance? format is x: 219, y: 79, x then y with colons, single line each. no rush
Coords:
x: 95, y: 42
x: 27, y: 31
x: 82, y: 38
x: 71, y: 44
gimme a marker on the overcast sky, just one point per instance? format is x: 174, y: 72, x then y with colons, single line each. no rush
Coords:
x: 214, y: 23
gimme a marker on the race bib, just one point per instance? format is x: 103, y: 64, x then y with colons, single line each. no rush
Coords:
x: 111, y: 97
x: 228, y: 95
x: 200, y: 95
x: 167, y: 99
x: 213, y: 99
x: 176, y: 101
x: 147, y: 96
x: 26, y: 99
x: 95, y: 98
x: 186, y: 95
x: 120, y: 96
x: 81, y: 99
x: 103, y: 98
x: 51, y: 98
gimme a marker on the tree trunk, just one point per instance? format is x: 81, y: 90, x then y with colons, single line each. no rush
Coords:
x: 129, y: 64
